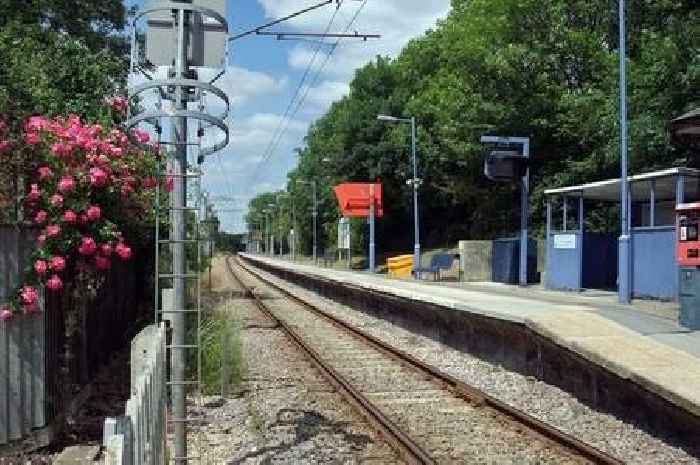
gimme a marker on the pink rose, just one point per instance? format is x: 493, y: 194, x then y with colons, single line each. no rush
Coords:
x: 141, y: 136
x: 102, y: 262
x: 5, y: 314
x: 40, y: 266
x: 58, y: 263
x: 123, y: 250
x: 54, y: 283
x: 61, y: 149
x: 69, y: 216
x: 119, y: 104
x: 41, y: 240
x: 5, y: 146
x: 98, y: 177
x: 36, y: 123
x: 32, y: 138
x: 149, y: 182
x: 44, y: 172
x: 29, y: 295
x: 66, y: 184
x: 87, y: 246
x: 40, y: 217
x: 126, y: 190
x: 34, y: 193
x: 93, y: 213
x: 116, y: 152
x: 56, y: 200
x: 106, y: 249
x: 53, y: 230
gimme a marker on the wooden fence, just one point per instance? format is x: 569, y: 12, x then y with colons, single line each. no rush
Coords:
x: 138, y: 438
x: 48, y: 360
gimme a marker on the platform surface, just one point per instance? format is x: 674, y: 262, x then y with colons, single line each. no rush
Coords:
x: 641, y: 342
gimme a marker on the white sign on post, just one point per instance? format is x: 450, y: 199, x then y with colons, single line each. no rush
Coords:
x: 565, y: 241
x: 344, y: 234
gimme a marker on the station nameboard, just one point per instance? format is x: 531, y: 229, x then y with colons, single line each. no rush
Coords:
x: 354, y: 199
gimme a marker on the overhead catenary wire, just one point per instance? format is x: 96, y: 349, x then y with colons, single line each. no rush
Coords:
x: 287, y: 118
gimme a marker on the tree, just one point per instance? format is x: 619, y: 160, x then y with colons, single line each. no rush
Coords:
x: 547, y: 70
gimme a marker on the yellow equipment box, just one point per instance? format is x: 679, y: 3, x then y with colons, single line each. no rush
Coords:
x: 400, y: 266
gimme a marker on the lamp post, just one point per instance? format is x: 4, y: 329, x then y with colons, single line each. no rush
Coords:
x: 267, y: 212
x: 624, y: 242
x: 315, y: 216
x: 272, y: 207
x: 415, y: 182
x: 279, y: 222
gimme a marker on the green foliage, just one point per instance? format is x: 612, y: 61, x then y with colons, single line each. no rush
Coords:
x: 95, y: 22
x: 547, y: 70
x: 63, y: 76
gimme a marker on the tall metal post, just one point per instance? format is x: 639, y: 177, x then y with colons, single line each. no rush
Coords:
x: 416, y: 229
x: 524, y: 217
x: 315, y: 215
x: 624, y: 244
x: 372, y: 266
x: 177, y: 232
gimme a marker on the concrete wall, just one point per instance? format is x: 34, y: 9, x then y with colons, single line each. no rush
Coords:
x: 475, y: 260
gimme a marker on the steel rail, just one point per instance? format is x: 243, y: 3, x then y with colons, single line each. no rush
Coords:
x: 407, y: 449
x: 470, y: 393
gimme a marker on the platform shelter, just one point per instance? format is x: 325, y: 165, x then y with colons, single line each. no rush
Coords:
x: 581, y: 258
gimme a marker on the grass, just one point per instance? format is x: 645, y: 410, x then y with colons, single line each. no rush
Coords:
x: 222, y: 356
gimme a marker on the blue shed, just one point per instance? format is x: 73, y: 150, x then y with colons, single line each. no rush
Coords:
x: 581, y: 259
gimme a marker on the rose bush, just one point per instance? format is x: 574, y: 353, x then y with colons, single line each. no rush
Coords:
x: 89, y: 186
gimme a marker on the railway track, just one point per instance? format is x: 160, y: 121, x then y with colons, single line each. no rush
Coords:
x: 427, y: 416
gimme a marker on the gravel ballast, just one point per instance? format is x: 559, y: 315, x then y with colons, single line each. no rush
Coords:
x: 285, y: 413
x: 545, y: 402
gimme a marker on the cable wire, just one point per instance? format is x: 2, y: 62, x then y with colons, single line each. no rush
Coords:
x: 286, y: 120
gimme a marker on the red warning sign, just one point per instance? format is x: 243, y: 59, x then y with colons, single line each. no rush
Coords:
x: 354, y: 199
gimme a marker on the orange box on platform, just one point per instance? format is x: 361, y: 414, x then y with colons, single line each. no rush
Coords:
x: 354, y: 199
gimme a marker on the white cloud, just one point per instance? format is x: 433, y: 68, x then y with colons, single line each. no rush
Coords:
x: 327, y: 92
x: 241, y: 85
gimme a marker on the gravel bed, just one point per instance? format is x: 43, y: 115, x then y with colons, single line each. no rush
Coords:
x: 286, y: 413
x: 545, y: 402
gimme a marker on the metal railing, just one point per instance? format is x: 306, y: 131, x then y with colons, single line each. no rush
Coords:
x: 139, y: 437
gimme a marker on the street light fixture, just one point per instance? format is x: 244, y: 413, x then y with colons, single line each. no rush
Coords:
x: 415, y: 182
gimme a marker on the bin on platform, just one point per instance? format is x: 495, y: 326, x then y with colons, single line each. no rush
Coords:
x: 400, y: 266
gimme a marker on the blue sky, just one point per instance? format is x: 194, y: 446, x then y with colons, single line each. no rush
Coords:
x: 263, y: 75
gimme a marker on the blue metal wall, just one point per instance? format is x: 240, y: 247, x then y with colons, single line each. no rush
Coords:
x: 564, y: 265
x: 654, y: 267
x: 599, y: 261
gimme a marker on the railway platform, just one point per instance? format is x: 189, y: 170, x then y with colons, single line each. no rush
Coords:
x: 642, y: 345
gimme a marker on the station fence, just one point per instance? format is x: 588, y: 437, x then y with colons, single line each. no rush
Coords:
x: 48, y: 359
x: 139, y: 437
